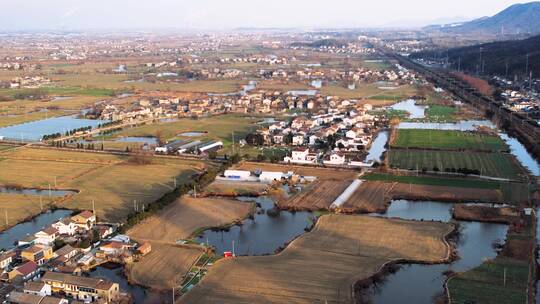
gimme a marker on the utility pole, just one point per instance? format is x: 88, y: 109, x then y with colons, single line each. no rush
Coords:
x: 50, y: 190
x: 7, y: 223
x: 94, y: 207
x: 233, y: 142
x: 233, y: 254
x: 55, y: 187
x: 41, y: 203
x: 504, y: 277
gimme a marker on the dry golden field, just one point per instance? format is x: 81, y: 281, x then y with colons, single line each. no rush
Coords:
x: 323, y: 265
x: 164, y: 267
x: 111, y: 181
x: 187, y: 216
x: 319, y: 195
x: 235, y: 188
x: 369, y: 197
x: 21, y: 207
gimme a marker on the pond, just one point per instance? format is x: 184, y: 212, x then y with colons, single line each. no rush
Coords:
x: 317, y: 84
x: 303, y: 92
x: 20, y: 231
x: 261, y: 235
x: 378, y: 147
x: 463, y: 125
x: 115, y: 273
x: 410, y: 106
x: 192, y: 134
x: 245, y: 89
x: 37, y: 192
x: 421, y: 283
x: 138, y: 139
x: 34, y: 131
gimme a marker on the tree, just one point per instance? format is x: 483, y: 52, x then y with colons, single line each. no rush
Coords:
x: 160, y: 137
x: 255, y: 139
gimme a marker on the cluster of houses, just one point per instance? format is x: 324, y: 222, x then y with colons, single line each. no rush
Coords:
x: 346, y: 133
x: 51, y: 264
x: 29, y: 82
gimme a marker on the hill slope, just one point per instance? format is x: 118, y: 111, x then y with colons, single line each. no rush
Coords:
x: 516, y: 19
x: 495, y: 57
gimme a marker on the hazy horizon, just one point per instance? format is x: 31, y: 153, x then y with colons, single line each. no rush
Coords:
x: 220, y: 15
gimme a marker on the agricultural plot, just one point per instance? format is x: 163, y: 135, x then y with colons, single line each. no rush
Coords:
x: 484, y: 284
x: 368, y: 198
x: 488, y: 164
x: 189, y: 216
x: 19, y: 207
x: 324, y: 264
x: 447, y: 140
x: 441, y: 113
x: 319, y: 195
x: 217, y: 127
x: 164, y: 267
x: 235, y: 188
x: 114, y: 183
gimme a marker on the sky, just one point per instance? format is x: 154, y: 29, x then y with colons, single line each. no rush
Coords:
x: 230, y: 14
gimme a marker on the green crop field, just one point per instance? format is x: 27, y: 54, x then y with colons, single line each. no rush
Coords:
x: 485, y: 284
x: 440, y: 113
x: 488, y: 164
x: 447, y: 140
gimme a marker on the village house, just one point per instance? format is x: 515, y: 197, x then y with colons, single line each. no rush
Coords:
x: 65, y: 227
x: 6, y: 259
x: 26, y: 298
x: 336, y: 159
x: 66, y: 253
x: 82, y: 288
x: 115, y: 248
x: 24, y: 272
x: 37, y: 253
x: 46, y: 236
x: 85, y: 220
x: 302, y: 156
x: 37, y: 288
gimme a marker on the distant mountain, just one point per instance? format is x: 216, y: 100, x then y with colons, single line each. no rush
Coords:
x: 495, y: 57
x: 516, y: 19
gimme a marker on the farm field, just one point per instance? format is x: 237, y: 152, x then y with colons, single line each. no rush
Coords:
x: 120, y: 82
x: 369, y: 91
x: 441, y: 113
x: 324, y: 264
x: 217, y: 127
x: 484, y: 283
x: 446, y: 140
x: 272, y: 85
x: 485, y: 213
x: 370, y: 197
x: 318, y: 195
x: 92, y: 173
x: 320, y: 173
x: 188, y: 216
x: 445, y: 193
x: 507, y: 192
x: 235, y: 188
x: 488, y: 164
x: 21, y: 207
x: 164, y: 267
x: 4, y: 147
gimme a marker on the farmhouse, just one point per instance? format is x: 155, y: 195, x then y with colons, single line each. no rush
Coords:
x: 6, y: 259
x: 26, y: 298
x: 24, y: 272
x: 302, y: 156
x: 336, y: 159
x: 65, y: 227
x: 37, y: 253
x: 37, y: 288
x: 82, y: 288
x: 46, y: 236
x: 85, y: 220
